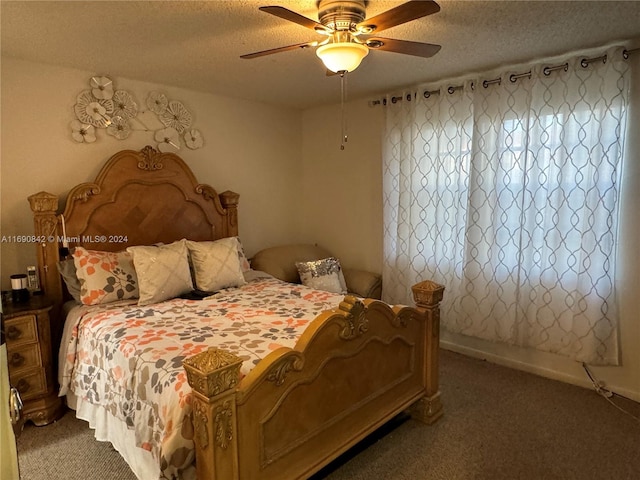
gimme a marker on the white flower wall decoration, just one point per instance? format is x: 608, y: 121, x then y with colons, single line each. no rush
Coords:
x: 104, y: 107
x: 193, y: 139
x: 123, y: 105
x: 101, y: 87
x: 176, y: 116
x: 119, y: 128
x: 168, y: 140
x: 157, y: 102
x: 81, y: 132
x: 93, y: 111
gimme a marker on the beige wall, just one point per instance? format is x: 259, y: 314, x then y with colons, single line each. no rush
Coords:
x: 250, y: 148
x: 350, y: 183
x: 342, y: 189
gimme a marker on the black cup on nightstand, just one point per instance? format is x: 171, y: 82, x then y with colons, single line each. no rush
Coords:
x: 19, y: 290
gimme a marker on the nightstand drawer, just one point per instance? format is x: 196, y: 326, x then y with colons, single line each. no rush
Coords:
x: 30, y: 383
x: 21, y: 330
x: 27, y: 329
x: 22, y: 357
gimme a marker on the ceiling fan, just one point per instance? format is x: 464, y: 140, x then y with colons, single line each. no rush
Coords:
x: 350, y: 35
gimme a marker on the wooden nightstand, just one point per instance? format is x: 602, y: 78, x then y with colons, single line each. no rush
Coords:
x: 30, y: 359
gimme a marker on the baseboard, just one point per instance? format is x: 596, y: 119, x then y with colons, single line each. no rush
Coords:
x: 535, y: 369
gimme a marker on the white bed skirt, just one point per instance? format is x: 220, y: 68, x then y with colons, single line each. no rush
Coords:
x: 108, y: 428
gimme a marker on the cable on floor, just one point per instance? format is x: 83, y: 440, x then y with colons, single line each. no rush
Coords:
x: 605, y: 392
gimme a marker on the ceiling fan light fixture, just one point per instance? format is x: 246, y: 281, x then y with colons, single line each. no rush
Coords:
x: 342, y: 56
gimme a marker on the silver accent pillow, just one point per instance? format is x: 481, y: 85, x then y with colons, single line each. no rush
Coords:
x: 325, y: 274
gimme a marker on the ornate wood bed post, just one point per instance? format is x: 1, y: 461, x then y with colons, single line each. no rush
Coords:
x: 229, y: 201
x: 427, y: 296
x: 213, y: 376
x: 45, y: 221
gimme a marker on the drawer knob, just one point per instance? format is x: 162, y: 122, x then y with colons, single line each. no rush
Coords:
x: 13, y: 333
x: 16, y: 360
x: 23, y: 386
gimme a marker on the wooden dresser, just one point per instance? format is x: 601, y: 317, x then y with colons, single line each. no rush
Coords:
x: 30, y: 358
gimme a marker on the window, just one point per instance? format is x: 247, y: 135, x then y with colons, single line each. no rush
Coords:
x: 508, y: 195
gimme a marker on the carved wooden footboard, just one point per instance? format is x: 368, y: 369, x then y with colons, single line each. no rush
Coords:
x: 352, y: 370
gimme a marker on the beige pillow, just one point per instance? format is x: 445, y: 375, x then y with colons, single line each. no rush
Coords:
x: 325, y: 274
x: 216, y: 265
x: 163, y: 271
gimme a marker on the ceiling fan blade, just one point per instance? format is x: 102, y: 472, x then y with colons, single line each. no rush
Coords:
x: 398, y: 15
x: 278, y: 50
x: 295, y: 18
x: 417, y: 49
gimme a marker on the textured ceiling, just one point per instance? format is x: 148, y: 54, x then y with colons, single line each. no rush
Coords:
x: 197, y: 44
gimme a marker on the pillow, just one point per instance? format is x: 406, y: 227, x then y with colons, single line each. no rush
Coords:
x: 216, y: 264
x: 244, y: 262
x: 104, y: 276
x: 325, y: 274
x: 163, y: 271
x: 67, y: 269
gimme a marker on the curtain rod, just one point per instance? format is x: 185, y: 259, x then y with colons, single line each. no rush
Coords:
x: 514, y: 77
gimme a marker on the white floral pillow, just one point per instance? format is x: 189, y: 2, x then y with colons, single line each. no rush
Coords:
x: 216, y: 264
x: 325, y: 274
x: 163, y: 271
x: 105, y: 276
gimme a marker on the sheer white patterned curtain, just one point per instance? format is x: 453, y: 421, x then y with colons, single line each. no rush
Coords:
x: 507, y: 193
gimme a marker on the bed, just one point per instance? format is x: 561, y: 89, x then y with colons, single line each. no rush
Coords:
x: 329, y: 370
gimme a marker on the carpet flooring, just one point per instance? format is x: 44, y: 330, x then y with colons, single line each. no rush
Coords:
x: 499, y: 423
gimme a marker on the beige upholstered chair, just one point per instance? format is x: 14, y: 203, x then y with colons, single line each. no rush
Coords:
x: 281, y: 263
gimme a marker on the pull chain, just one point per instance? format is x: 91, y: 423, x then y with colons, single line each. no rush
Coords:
x: 343, y: 108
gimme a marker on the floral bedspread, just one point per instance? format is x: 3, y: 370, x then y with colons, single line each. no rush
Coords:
x: 128, y: 359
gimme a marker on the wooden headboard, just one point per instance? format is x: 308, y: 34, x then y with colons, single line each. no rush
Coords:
x: 138, y: 198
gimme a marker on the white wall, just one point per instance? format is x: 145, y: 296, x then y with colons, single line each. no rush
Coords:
x: 347, y: 188
x: 250, y: 148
